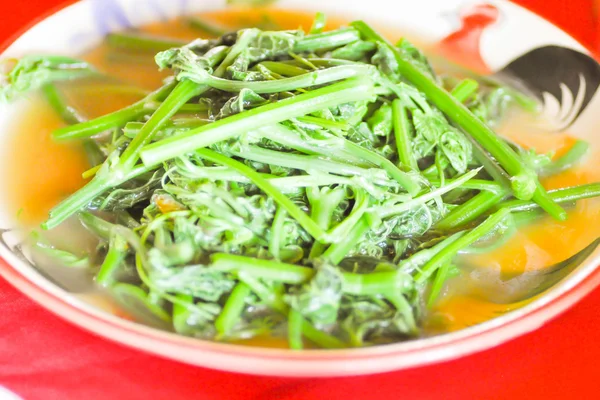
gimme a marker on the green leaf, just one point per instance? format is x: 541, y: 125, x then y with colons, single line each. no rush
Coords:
x: 412, y: 53
x: 369, y: 320
x: 197, y: 281
x: 381, y: 121
x: 247, y: 99
x: 271, y: 44
x: 385, y: 60
x: 355, y: 51
x: 430, y: 125
x: 457, y: 149
x: 187, y: 63
x: 131, y: 193
x: 32, y: 72
x: 319, y: 300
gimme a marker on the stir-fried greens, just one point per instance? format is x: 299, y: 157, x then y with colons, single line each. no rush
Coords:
x: 316, y: 185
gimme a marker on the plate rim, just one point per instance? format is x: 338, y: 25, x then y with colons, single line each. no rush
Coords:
x: 561, y: 297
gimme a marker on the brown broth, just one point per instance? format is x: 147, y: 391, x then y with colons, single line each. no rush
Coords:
x: 41, y: 172
x: 534, y: 247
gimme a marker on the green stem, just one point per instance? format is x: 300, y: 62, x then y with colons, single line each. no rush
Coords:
x: 251, y: 271
x: 284, y: 69
x: 402, y: 131
x: 306, y: 80
x: 465, y: 89
x: 290, y: 183
x: 184, y: 109
x: 317, y: 62
x: 490, y: 165
x: 327, y: 40
x: 438, y: 283
x: 277, y: 232
x: 375, y: 283
x: 388, y: 211
x: 95, y: 126
x: 318, y: 24
x: 405, y: 308
x: 448, y: 253
x: 243, y: 41
x: 135, y: 300
x: 131, y: 129
x: 263, y: 269
x: 207, y: 27
x: 338, y: 251
x: 181, y: 313
x: 299, y: 161
x: 470, y: 210
x: 324, y: 123
x: 355, y: 89
x: 31, y: 72
x: 110, y: 121
x: 322, y: 207
x: 417, y: 260
x: 321, y: 338
x: 464, y: 118
x: 232, y: 310
x: 332, y: 148
x: 361, y: 204
x: 103, y: 181
x: 76, y: 202
x: 283, y: 201
x: 526, y: 102
x: 274, y: 300
x: 112, y: 176
x: 273, y: 271
x: 405, y: 180
x: 563, y: 195
x: 117, y: 252
x: 316, y: 250
x: 98, y: 226
x: 295, y: 323
x: 268, y: 296
x: 70, y: 116
x: 473, y: 184
x: 142, y: 41
x: 57, y: 102
x: 180, y: 95
x: 579, y: 149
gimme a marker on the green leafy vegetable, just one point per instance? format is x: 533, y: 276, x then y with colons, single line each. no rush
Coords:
x: 33, y: 72
x: 319, y: 300
x: 311, y: 185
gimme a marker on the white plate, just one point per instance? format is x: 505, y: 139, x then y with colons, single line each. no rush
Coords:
x: 500, y: 37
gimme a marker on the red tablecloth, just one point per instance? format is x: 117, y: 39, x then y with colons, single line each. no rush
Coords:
x: 42, y: 357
